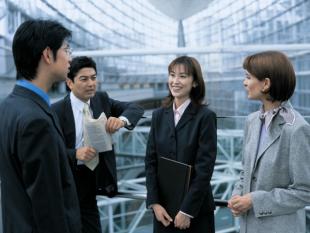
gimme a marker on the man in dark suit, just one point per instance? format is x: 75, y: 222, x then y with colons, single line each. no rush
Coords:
x: 37, y: 188
x: 102, y: 180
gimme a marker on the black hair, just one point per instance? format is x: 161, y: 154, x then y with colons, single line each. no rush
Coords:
x: 30, y: 40
x: 79, y: 63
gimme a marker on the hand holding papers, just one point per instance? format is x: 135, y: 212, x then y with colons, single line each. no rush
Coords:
x: 96, y: 136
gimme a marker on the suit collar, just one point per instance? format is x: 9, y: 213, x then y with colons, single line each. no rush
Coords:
x: 77, y: 103
x: 273, y: 133
x: 188, y: 114
x: 30, y: 86
x: 26, y: 93
x: 98, y: 105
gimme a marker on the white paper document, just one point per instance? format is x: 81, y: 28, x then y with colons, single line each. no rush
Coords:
x: 96, y: 136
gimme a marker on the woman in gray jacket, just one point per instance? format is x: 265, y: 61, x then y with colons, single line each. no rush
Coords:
x: 274, y: 185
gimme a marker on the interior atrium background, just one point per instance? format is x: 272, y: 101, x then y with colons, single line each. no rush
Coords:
x: 133, y: 41
x: 137, y: 25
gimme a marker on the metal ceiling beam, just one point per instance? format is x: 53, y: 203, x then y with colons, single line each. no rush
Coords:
x: 192, y: 50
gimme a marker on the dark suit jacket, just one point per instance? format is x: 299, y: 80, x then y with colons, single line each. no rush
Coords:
x: 106, y: 180
x: 192, y: 141
x: 37, y: 188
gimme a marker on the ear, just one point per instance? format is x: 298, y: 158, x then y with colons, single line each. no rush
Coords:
x: 47, y: 55
x: 69, y: 83
x: 194, y: 84
x: 267, y: 85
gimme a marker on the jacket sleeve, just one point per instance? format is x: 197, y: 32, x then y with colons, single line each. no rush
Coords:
x: 151, y: 167
x: 286, y: 200
x: 203, y: 167
x: 38, y: 151
x: 133, y: 112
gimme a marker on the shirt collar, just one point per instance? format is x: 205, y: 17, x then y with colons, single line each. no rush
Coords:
x: 284, y: 110
x: 77, y: 103
x: 182, y: 107
x: 30, y: 86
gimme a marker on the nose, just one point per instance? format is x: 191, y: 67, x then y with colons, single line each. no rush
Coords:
x: 245, y: 82
x: 91, y: 82
x: 176, y: 79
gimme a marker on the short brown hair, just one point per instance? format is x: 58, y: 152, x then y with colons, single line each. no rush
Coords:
x: 192, y: 67
x: 277, y: 67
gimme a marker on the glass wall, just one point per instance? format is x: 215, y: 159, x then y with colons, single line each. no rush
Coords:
x: 116, y: 27
x: 258, y: 22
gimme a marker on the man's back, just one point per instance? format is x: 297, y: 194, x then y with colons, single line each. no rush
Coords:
x: 37, y: 187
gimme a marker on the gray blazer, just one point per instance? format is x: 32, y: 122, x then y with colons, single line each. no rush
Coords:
x: 277, y: 177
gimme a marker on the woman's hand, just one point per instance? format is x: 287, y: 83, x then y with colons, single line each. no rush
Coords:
x: 161, y: 215
x: 182, y: 221
x: 240, y: 204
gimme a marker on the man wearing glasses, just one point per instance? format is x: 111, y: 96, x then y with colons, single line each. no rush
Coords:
x: 37, y: 187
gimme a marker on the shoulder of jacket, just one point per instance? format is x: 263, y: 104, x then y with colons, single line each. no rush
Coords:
x: 101, y: 94
x: 252, y: 116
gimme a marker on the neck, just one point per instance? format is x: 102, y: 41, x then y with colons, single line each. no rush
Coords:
x: 41, y: 84
x: 269, y: 105
x: 179, y: 101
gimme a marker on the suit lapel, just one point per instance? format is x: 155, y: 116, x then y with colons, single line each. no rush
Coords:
x: 188, y: 114
x: 93, y: 106
x: 273, y: 134
x: 69, y: 123
x: 169, y: 118
x: 254, y: 140
x: 98, y: 106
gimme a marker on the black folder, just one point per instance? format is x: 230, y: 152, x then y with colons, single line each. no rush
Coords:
x: 173, y: 181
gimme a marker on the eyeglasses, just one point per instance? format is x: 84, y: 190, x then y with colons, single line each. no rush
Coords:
x: 68, y: 50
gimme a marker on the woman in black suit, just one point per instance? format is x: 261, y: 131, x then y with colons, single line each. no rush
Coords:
x: 184, y: 129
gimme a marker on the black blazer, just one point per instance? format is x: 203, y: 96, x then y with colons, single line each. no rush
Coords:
x: 192, y: 141
x: 37, y: 187
x: 106, y: 180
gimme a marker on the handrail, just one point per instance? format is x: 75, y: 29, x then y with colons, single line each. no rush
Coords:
x: 142, y: 196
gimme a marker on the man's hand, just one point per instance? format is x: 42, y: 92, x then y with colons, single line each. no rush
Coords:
x: 182, y: 221
x: 85, y: 153
x: 162, y: 215
x: 240, y: 204
x: 113, y: 124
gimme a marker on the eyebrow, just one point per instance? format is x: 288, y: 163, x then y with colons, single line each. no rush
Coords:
x: 180, y: 73
x: 86, y: 76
